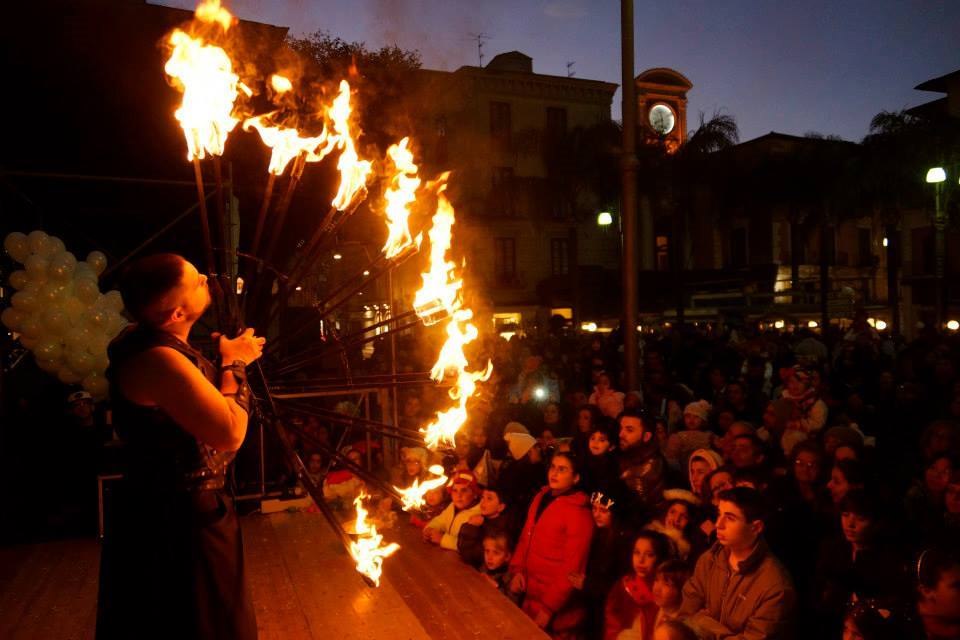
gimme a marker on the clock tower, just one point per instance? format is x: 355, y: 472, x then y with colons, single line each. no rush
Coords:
x: 662, y: 107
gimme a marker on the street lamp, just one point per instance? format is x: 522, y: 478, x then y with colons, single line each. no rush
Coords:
x: 937, y: 176
x: 604, y: 219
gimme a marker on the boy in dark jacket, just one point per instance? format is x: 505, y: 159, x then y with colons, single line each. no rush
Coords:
x: 495, y: 518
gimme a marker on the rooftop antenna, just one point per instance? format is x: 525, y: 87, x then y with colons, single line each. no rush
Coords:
x: 480, y: 38
x: 570, y: 71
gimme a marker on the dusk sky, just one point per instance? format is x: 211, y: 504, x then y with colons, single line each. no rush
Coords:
x: 776, y: 65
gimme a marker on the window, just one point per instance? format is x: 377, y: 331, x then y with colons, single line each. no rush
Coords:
x: 663, y: 253
x: 556, y: 122
x: 504, y: 260
x: 500, y: 124
x: 559, y: 256
x: 502, y: 191
x: 864, y: 247
x: 738, y: 247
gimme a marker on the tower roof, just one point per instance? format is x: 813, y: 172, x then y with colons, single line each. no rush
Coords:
x: 664, y: 76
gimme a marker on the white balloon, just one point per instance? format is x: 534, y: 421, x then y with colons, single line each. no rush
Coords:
x: 98, y: 342
x: 84, y: 270
x: 17, y: 246
x: 77, y: 338
x: 37, y: 267
x: 50, y: 366
x: 68, y: 375
x: 101, y: 361
x: 53, y: 294
x: 55, y: 321
x: 12, y: 318
x: 87, y: 291
x: 80, y: 361
x: 39, y: 242
x: 57, y: 245
x: 113, y: 300
x: 97, y: 318
x: 62, y: 265
x: 25, y: 300
x: 96, y: 385
x: 74, y: 309
x: 49, y: 348
x: 97, y: 260
x: 19, y: 279
x: 31, y: 326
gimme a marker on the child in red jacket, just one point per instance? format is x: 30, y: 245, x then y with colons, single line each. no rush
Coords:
x: 631, y: 602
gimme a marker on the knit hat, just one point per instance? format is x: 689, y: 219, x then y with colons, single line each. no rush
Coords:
x: 418, y: 453
x: 700, y: 408
x: 519, y: 444
x: 709, y: 456
x: 681, y: 494
x: 515, y: 427
x: 464, y: 478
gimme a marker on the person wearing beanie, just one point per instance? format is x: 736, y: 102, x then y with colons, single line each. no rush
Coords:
x: 696, y: 418
x: 444, y: 530
x: 702, y: 463
x: 413, y: 467
x: 523, y: 472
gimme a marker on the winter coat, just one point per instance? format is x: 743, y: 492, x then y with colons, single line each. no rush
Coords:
x: 753, y: 603
x: 629, y: 599
x: 551, y: 547
x: 470, y: 540
x: 450, y: 521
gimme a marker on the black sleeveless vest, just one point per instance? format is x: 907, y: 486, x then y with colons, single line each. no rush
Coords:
x: 161, y: 455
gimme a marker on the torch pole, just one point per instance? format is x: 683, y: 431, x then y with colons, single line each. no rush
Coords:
x: 262, y: 215
x: 204, y: 218
x: 222, y: 217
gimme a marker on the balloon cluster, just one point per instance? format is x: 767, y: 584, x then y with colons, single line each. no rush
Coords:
x: 58, y: 309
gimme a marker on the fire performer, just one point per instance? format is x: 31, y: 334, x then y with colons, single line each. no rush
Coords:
x: 172, y: 562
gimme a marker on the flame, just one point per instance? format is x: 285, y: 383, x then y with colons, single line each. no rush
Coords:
x: 368, y: 551
x: 440, y: 293
x: 204, y: 73
x: 210, y: 11
x: 285, y: 143
x: 438, y: 297
x: 353, y: 170
x: 399, y: 196
x: 412, y: 497
x: 280, y: 84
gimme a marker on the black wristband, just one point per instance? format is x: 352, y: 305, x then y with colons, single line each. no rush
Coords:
x: 239, y: 371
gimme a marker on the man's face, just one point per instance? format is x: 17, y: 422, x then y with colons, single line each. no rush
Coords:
x: 733, y: 530
x: 743, y: 454
x: 806, y: 467
x: 599, y: 444
x: 192, y: 295
x: 315, y: 464
x: 495, y: 554
x: 631, y: 432
x: 490, y: 505
x: 943, y: 601
x: 462, y: 496
x: 855, y: 527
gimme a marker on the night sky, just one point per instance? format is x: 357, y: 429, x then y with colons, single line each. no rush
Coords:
x: 776, y: 65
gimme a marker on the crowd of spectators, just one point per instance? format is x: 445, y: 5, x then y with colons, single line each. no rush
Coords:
x: 754, y: 485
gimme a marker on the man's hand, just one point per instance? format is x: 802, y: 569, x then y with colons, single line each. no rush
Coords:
x: 246, y: 347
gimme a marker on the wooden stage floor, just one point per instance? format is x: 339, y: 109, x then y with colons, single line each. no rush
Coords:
x: 303, y: 583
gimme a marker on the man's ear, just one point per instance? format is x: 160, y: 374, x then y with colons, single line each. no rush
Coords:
x: 173, y: 317
x: 647, y: 435
x: 757, y: 527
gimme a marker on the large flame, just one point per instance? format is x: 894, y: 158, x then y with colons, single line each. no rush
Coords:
x: 353, y: 170
x: 285, y: 143
x: 368, y: 550
x: 439, y: 297
x: 399, y: 196
x: 280, y: 84
x: 412, y: 497
x: 440, y: 294
x: 204, y: 73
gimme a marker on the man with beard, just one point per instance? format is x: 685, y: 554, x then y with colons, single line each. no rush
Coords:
x: 172, y: 562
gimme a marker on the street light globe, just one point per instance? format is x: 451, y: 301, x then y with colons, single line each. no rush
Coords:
x: 337, y: 256
x: 813, y: 324
x: 778, y: 324
x: 936, y: 174
x: 881, y: 325
x: 604, y: 218
x: 953, y: 325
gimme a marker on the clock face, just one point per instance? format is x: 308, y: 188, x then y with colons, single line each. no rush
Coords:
x: 662, y: 119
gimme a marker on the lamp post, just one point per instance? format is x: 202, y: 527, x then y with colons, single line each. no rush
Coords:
x: 628, y: 197
x: 937, y: 176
